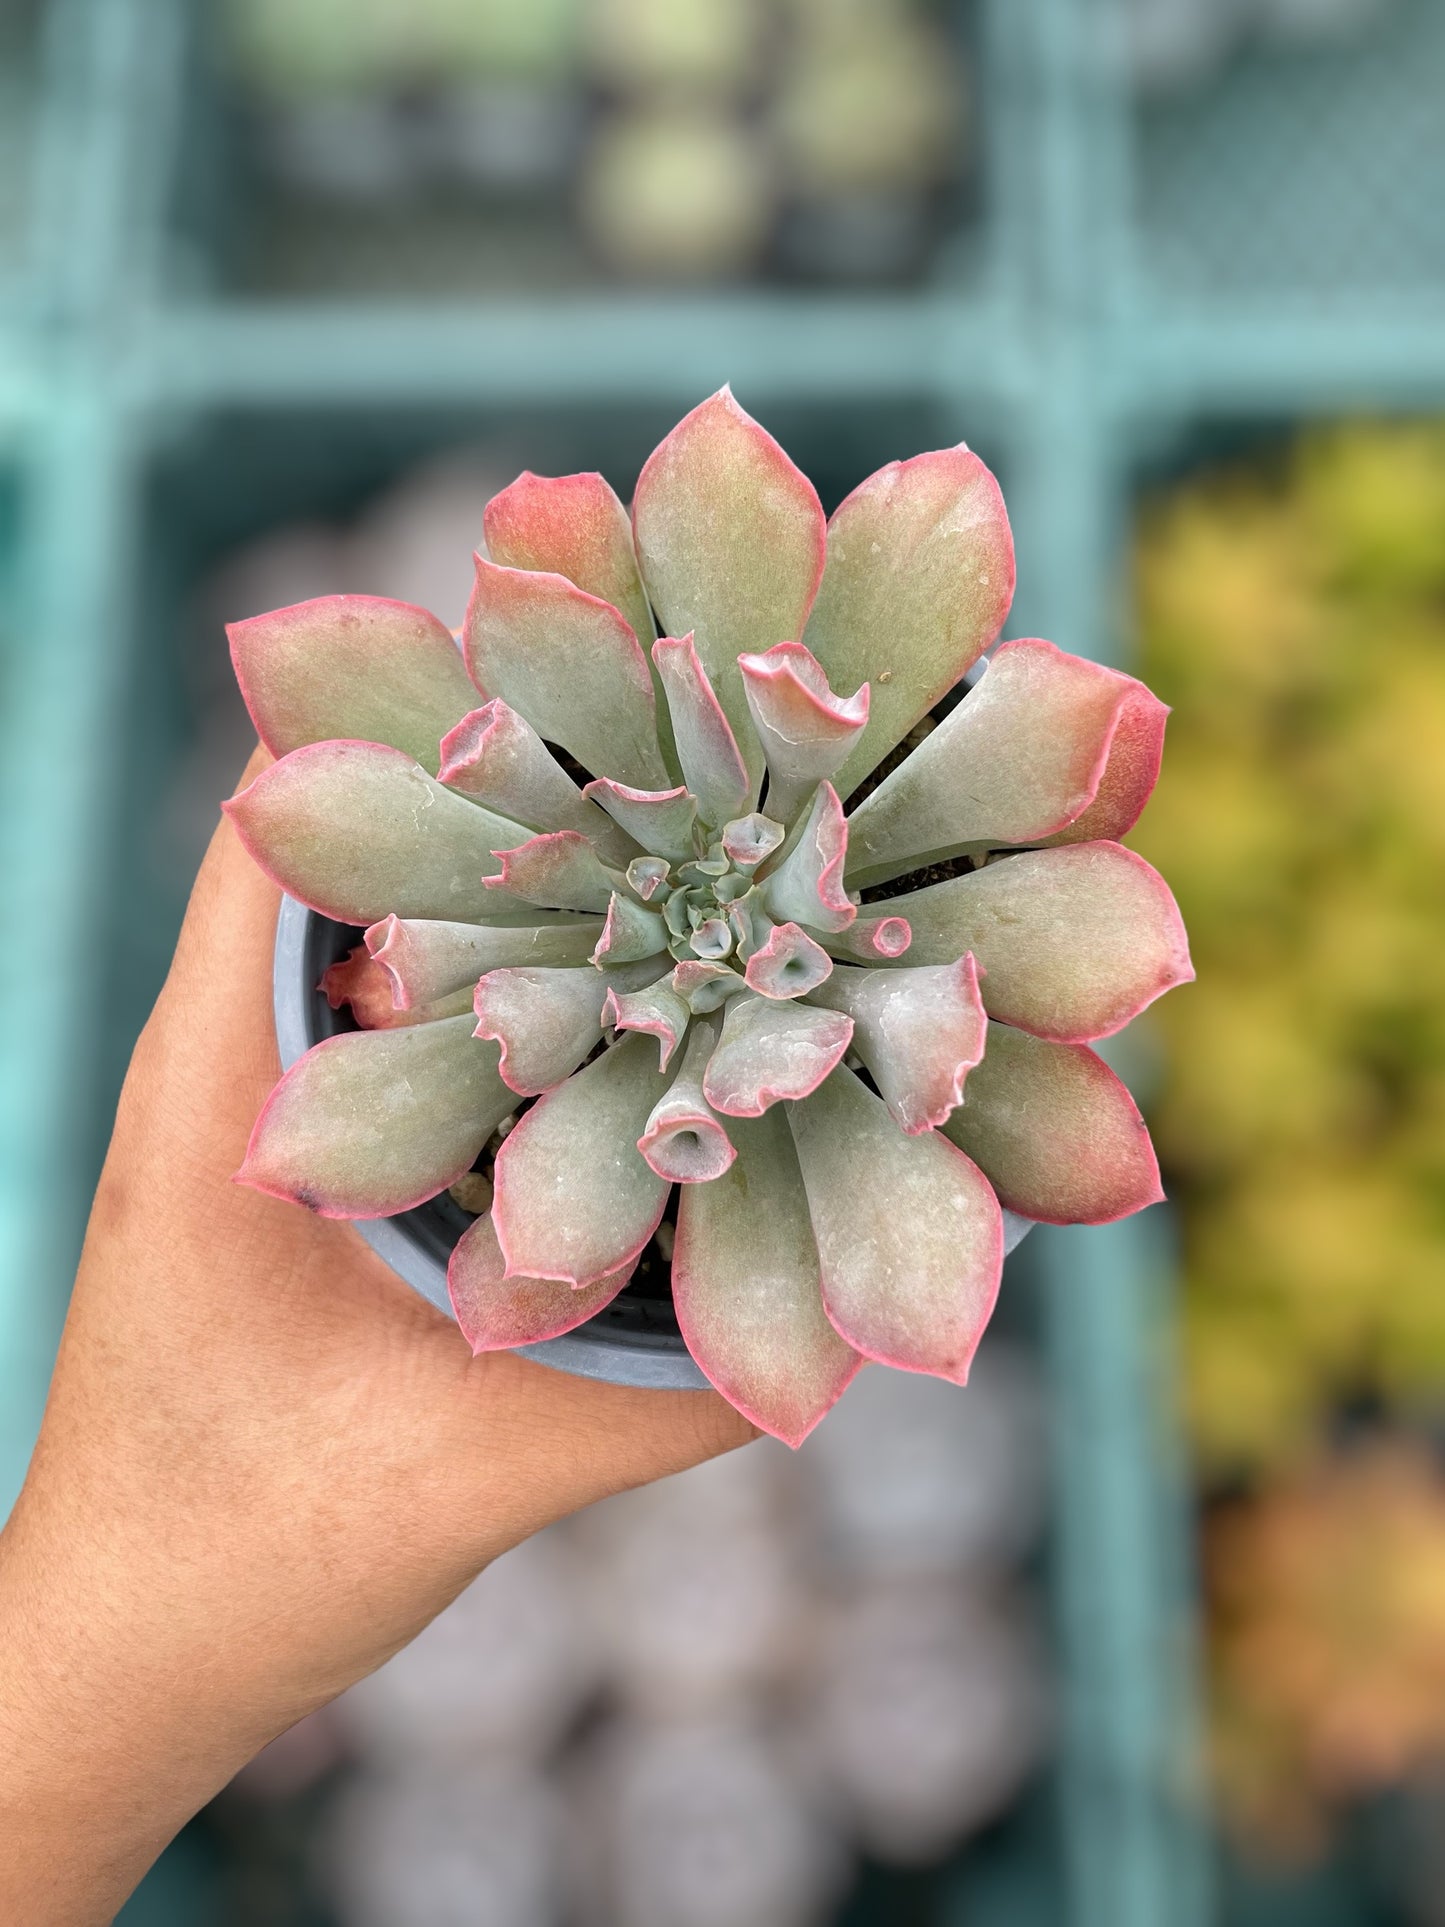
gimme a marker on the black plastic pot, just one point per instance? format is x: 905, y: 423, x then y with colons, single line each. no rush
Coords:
x: 635, y: 1341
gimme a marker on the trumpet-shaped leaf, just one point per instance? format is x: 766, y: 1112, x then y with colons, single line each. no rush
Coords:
x: 730, y: 539
x: 1071, y: 943
x: 571, y: 665
x: 560, y: 871
x: 377, y: 1121
x: 769, y: 1051
x: 746, y: 1287
x: 1020, y: 758
x: 656, y: 1009
x: 910, y: 1237
x: 497, y: 758
x: 750, y: 840
x: 660, y: 820
x: 805, y: 730
x: 354, y: 667
x: 1056, y: 1133
x: 789, y: 964
x: 919, y: 579
x: 706, y: 986
x: 707, y: 750
x: 547, y: 1021
x: 869, y: 939
x: 630, y: 932
x: 683, y: 1141
x: 425, y: 852
x: 646, y: 875
x: 496, y: 1312
x: 920, y: 1032
x: 422, y: 960
x: 572, y: 525
x: 575, y: 1198
x: 807, y: 885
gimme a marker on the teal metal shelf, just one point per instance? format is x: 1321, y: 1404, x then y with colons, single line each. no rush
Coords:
x: 1121, y: 288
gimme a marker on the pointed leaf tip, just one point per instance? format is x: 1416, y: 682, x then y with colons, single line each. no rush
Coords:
x: 1071, y: 942
x: 357, y: 668
x: 910, y: 1236
x: 425, y: 852
x: 574, y: 526
x: 375, y: 1122
x: 1055, y: 1132
x: 571, y: 665
x: 919, y: 579
x: 746, y: 1287
x: 730, y: 540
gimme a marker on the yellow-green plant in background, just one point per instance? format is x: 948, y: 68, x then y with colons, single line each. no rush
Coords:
x: 1295, y: 620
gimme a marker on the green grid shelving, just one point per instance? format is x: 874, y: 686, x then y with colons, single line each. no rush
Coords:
x: 1119, y: 289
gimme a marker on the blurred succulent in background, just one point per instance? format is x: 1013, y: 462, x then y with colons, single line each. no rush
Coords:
x: 1329, y: 1640
x: 1301, y: 820
x: 624, y: 886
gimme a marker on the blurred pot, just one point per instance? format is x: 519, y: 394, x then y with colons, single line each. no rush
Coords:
x: 635, y: 1341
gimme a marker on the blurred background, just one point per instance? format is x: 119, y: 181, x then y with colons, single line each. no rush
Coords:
x: 1147, y: 1625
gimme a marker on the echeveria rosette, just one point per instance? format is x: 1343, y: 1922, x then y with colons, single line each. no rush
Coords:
x: 612, y: 891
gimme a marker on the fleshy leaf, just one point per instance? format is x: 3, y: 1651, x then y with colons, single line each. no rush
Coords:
x: 660, y: 820
x: 1071, y: 943
x: 571, y: 525
x: 806, y: 731
x: 363, y: 984
x: 560, y: 871
x: 655, y: 1009
x: 910, y: 1237
x: 354, y: 667
x: 788, y: 965
x: 547, y: 1021
x: 746, y: 1288
x: 807, y: 885
x: 1135, y: 752
x: 1055, y: 1132
x: 496, y: 1312
x: 704, y: 986
x: 423, y: 959
x: 712, y: 765
x: 919, y: 1031
x: 1019, y: 759
x: 684, y: 1142
x: 424, y: 852
x: 377, y: 1121
x: 769, y: 1051
x: 869, y: 939
x: 575, y: 1199
x: 919, y: 579
x: 571, y: 665
x: 750, y: 840
x: 496, y: 757
x: 730, y: 539
x: 646, y: 875
x: 630, y: 932
x: 712, y: 940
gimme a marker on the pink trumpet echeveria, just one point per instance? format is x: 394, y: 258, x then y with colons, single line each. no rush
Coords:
x: 631, y: 899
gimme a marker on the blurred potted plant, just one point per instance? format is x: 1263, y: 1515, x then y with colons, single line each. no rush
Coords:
x: 633, y: 993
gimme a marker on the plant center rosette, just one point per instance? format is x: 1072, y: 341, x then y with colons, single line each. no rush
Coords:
x: 608, y: 879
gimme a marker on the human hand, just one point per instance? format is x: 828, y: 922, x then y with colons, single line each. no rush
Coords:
x: 265, y: 1463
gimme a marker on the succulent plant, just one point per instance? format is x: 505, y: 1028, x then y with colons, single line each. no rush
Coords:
x: 610, y: 891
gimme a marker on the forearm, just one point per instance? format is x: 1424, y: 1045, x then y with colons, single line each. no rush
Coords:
x: 116, y: 1725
